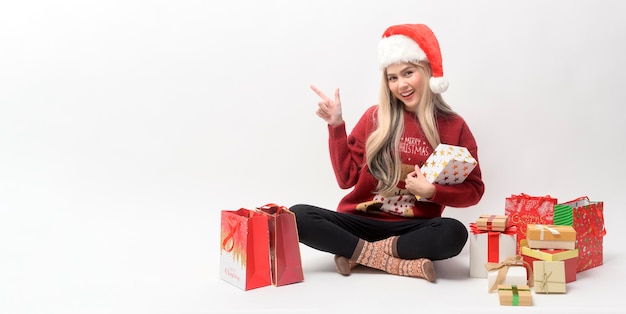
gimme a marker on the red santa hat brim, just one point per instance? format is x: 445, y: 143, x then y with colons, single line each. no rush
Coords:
x: 413, y: 43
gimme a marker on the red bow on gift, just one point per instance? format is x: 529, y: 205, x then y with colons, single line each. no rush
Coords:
x: 493, y: 240
x: 509, y: 230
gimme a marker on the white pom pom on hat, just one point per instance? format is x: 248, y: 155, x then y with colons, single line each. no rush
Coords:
x: 413, y: 43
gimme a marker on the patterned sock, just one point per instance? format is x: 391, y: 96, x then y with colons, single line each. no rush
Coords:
x: 372, y: 254
x: 390, y: 246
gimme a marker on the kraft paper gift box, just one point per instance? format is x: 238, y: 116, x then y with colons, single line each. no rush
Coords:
x: 549, y: 276
x: 512, y: 271
x: 551, y: 237
x: 569, y: 258
x: 489, y: 247
x: 449, y: 164
x: 515, y: 295
x: 492, y: 222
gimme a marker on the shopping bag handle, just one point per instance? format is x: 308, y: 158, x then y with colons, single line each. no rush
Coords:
x: 582, y: 198
x: 272, y: 205
x: 542, y: 198
x: 525, y: 198
x: 600, y: 233
x: 595, y: 231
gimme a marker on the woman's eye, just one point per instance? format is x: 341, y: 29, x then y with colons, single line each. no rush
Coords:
x: 408, y: 73
x: 392, y: 79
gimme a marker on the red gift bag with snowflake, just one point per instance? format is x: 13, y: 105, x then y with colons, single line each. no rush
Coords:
x: 524, y: 209
x: 588, y: 221
x: 245, y: 250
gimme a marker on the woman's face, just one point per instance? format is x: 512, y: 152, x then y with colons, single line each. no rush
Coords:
x: 405, y: 83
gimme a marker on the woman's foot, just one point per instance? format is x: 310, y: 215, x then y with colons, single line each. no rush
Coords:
x: 428, y: 269
x: 344, y: 265
x: 372, y: 254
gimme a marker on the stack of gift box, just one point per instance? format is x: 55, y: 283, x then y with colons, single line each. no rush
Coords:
x: 549, y: 266
x: 584, y: 215
x: 493, y: 243
x: 547, y: 260
x: 538, y: 243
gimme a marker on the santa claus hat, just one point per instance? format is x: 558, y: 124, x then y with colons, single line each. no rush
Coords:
x: 413, y: 43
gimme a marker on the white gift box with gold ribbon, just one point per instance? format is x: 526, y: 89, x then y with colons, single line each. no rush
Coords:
x: 511, y: 271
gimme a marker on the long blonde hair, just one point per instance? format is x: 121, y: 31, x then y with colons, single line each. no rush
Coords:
x: 381, y: 148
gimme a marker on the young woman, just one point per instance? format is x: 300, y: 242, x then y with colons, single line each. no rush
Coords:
x: 392, y: 218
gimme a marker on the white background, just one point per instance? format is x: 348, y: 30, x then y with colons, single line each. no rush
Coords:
x: 126, y: 126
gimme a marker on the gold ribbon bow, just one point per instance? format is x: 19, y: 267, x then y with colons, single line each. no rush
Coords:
x: 503, y: 268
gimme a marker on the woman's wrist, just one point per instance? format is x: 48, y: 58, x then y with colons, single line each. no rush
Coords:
x: 430, y: 192
x: 336, y: 123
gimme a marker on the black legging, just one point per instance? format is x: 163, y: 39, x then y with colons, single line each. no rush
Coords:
x: 338, y: 233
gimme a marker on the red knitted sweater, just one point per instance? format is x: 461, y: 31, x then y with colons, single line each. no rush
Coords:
x: 347, y: 154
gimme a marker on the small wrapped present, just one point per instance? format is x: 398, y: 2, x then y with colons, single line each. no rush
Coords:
x: 492, y: 222
x: 512, y: 271
x: 551, y: 237
x: 569, y: 258
x: 549, y: 276
x: 489, y: 247
x: 515, y: 295
x: 448, y: 164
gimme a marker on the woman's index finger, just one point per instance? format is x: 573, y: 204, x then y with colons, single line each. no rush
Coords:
x: 319, y: 92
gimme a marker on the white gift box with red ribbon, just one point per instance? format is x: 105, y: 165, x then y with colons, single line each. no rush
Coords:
x: 490, y: 247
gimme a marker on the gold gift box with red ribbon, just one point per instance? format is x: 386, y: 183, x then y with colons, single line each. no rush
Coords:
x: 492, y: 222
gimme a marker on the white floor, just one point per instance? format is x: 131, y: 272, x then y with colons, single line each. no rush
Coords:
x: 324, y: 291
x: 153, y: 258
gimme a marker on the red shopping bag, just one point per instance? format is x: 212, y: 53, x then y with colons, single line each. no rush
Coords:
x: 524, y: 209
x: 588, y: 221
x: 245, y: 252
x: 286, y: 262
